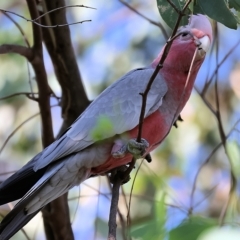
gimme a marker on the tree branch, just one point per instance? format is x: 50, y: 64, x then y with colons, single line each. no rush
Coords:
x: 59, y: 46
x: 21, y: 50
x: 19, y: 28
x: 27, y: 94
x: 158, y: 24
x: 112, y: 225
x: 60, y: 227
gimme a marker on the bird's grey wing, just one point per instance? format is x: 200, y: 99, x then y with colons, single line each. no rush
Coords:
x: 115, y: 111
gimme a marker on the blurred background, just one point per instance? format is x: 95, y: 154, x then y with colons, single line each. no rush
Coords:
x: 190, y: 175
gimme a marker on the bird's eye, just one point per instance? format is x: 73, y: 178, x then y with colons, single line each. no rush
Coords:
x: 184, y: 34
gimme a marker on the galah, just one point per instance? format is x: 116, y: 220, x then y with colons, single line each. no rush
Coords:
x: 88, y: 148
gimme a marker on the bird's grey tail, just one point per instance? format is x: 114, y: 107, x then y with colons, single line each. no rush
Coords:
x: 19, y: 216
x: 14, y: 221
x: 20, y: 182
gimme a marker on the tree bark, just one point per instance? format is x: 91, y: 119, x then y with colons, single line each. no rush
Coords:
x: 74, y: 100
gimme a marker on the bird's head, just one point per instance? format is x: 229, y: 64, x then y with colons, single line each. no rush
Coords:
x: 196, y: 35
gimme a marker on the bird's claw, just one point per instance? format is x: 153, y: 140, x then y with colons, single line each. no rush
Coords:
x: 178, y: 119
x: 121, y: 152
x: 137, y: 149
x: 148, y: 158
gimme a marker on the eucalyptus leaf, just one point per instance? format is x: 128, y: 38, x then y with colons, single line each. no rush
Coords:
x: 169, y: 14
x: 191, y: 228
x: 197, y: 8
x: 234, y: 4
x: 219, y: 11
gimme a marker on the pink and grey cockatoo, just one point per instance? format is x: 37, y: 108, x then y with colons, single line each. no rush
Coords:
x: 79, y: 154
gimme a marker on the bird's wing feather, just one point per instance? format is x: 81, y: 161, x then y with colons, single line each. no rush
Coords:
x: 115, y: 111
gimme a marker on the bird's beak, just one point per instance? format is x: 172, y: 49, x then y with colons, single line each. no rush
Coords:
x: 203, y: 45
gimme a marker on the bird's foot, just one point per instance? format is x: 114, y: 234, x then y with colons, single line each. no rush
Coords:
x: 178, y: 119
x: 148, y: 158
x: 137, y: 149
x: 120, y: 149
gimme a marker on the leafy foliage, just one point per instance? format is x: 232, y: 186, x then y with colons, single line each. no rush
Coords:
x: 191, y: 228
x: 155, y: 228
x: 234, y: 4
x: 176, y: 162
x: 103, y: 126
x: 169, y: 14
x: 218, y: 10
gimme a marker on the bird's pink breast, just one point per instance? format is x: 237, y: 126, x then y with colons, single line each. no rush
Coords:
x: 154, y: 131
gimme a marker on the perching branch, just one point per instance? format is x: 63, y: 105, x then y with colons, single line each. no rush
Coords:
x: 144, y: 101
x: 158, y: 68
x: 112, y: 222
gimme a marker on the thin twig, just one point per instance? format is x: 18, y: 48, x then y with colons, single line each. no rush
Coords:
x: 208, y: 104
x: 46, y: 26
x: 27, y: 94
x: 142, y: 197
x: 76, y: 209
x: 206, y: 196
x: 158, y: 68
x: 130, y: 198
x: 26, y: 42
x: 233, y: 181
x: 158, y: 24
x: 206, y: 86
x: 19, y: 28
x: 175, y: 8
x: 197, y: 174
x: 59, y: 8
x: 114, y: 203
x: 18, y: 127
x: 98, y: 202
x: 150, y: 82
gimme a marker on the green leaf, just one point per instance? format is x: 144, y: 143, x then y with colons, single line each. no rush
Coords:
x: 191, y: 228
x: 218, y: 10
x: 103, y: 127
x: 155, y: 228
x: 197, y: 8
x: 234, y: 4
x: 234, y: 155
x: 169, y: 14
